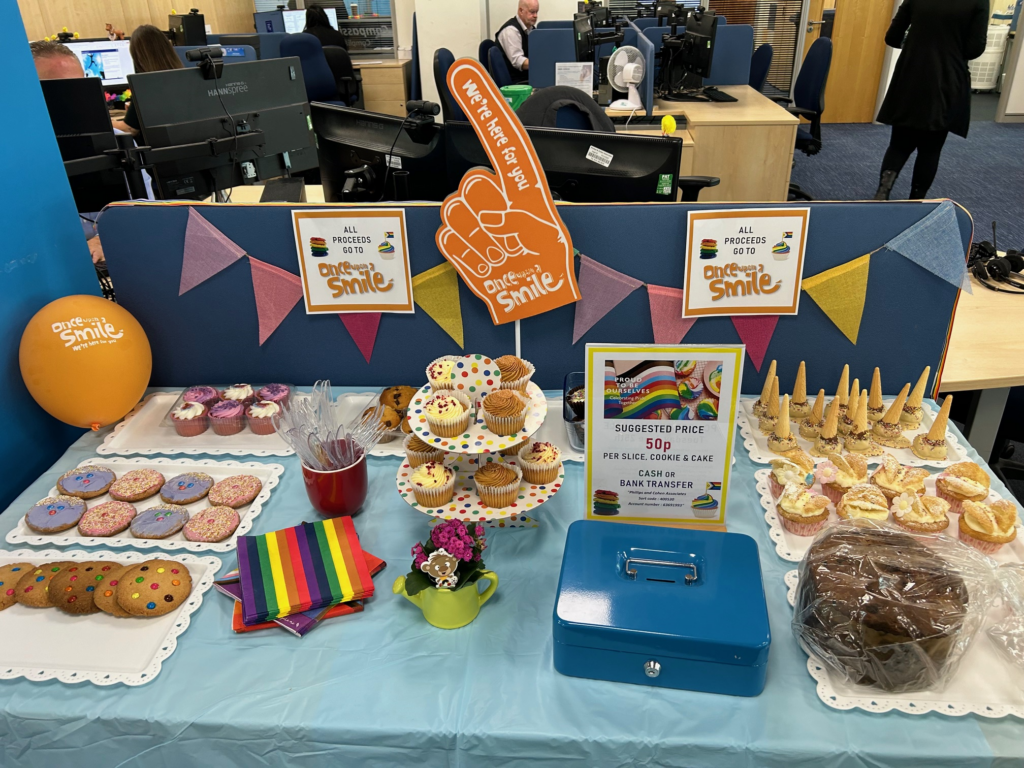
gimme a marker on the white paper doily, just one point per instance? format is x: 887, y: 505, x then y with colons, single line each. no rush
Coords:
x: 477, y: 438
x: 757, y: 443
x: 269, y: 475
x: 106, y: 650
x: 980, y: 686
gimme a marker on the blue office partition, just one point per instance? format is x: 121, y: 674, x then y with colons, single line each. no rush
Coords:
x: 553, y: 24
x: 548, y: 47
x: 730, y: 65
x: 647, y: 86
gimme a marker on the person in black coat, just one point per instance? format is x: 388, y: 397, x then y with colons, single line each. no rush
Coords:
x: 930, y: 92
x: 319, y: 26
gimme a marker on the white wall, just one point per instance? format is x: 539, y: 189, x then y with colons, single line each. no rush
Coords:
x: 457, y: 25
x: 500, y: 11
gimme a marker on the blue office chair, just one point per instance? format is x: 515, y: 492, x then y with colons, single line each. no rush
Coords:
x: 316, y: 73
x: 809, y: 102
x: 497, y: 67
x: 760, y: 63
x: 481, y: 53
x: 443, y: 60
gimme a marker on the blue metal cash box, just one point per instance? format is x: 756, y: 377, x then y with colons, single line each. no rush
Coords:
x: 671, y: 607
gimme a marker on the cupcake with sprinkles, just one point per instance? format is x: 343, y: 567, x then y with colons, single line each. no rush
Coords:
x: 227, y: 417
x: 191, y: 419
x: 433, y: 484
x: 811, y: 426
x: 204, y: 395
x: 275, y: 393
x: 761, y: 404
x: 799, y: 408
x: 261, y: 415
x: 239, y: 393
x: 448, y: 414
x: 439, y: 373
x: 540, y: 463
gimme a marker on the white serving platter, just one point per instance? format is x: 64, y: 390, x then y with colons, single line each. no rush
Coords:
x: 106, y: 650
x: 269, y: 475
x: 756, y: 443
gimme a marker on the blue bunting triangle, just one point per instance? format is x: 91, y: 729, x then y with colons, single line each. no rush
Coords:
x: 934, y: 244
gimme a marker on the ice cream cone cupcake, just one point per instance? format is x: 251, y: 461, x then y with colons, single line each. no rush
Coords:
x: 799, y: 408
x: 912, y: 411
x: 828, y: 437
x: 766, y: 421
x: 876, y: 408
x: 887, y: 429
x: 760, y: 406
x: 843, y: 391
x: 810, y: 426
x: 933, y: 445
x: 782, y: 440
x: 859, y: 439
x: 846, y: 422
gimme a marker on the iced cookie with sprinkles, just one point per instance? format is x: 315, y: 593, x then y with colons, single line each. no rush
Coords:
x: 73, y: 590
x: 159, y: 522
x: 137, y: 485
x: 55, y: 514
x: 86, y: 482
x: 107, y: 519
x: 212, y: 525
x: 186, y: 488
x: 154, y: 588
x: 32, y: 588
x: 106, y: 594
x: 10, y: 575
x: 235, y: 491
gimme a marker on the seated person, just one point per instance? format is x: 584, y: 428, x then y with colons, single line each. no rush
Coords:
x: 319, y: 26
x: 513, y: 39
x: 151, y: 52
x: 55, y: 61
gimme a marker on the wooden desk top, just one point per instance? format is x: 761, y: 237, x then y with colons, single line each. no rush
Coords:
x: 750, y: 108
x: 252, y: 193
x: 984, y: 353
x: 381, y: 63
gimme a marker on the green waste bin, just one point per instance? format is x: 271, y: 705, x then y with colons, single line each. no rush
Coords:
x: 515, y: 95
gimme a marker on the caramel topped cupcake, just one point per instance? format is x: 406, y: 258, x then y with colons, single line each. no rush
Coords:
x: 504, y: 411
x: 515, y: 373
x: 497, y: 484
x: 419, y: 452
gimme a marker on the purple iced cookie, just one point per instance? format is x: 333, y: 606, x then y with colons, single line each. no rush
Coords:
x: 86, y: 482
x: 227, y: 417
x: 205, y: 395
x: 186, y: 488
x: 275, y: 393
x: 159, y: 522
x: 54, y: 514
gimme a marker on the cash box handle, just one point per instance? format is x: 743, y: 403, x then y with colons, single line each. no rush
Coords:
x: 690, y: 577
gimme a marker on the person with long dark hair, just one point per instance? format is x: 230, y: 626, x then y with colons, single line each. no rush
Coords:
x: 151, y: 51
x: 318, y: 25
x: 930, y: 93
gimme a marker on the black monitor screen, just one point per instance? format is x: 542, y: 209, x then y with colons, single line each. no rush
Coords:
x: 583, y: 36
x: 181, y: 109
x: 699, y: 43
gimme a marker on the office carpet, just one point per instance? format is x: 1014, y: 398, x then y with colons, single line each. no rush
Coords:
x: 984, y: 173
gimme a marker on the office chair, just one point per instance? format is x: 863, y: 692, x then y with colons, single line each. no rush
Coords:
x: 316, y: 73
x: 443, y: 60
x: 809, y: 102
x: 485, y: 47
x: 497, y: 67
x: 349, y: 82
x: 760, y: 63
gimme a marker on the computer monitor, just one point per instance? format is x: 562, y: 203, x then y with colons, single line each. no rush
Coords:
x: 685, y: 60
x: 81, y: 123
x: 699, y: 42
x: 250, y: 123
x: 583, y: 37
x: 295, y: 21
x: 107, y: 60
x: 268, y: 21
x: 640, y: 169
x: 351, y: 139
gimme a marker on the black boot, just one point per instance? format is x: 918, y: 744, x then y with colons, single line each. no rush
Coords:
x: 885, y: 184
x: 916, y: 193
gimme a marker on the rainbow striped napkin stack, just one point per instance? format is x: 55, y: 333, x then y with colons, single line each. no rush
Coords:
x: 313, y: 565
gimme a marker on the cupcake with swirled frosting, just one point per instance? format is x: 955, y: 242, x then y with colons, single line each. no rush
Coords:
x: 261, y: 416
x: 227, y: 417
x: 419, y: 452
x: 497, y: 484
x: 239, y: 393
x: 505, y: 411
x: 432, y: 484
x: 448, y: 413
x: 515, y: 372
x: 190, y: 419
x: 540, y: 462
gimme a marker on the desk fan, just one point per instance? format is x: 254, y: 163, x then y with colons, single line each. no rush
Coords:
x: 625, y: 73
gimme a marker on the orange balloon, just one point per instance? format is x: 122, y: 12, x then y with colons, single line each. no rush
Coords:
x: 85, y: 360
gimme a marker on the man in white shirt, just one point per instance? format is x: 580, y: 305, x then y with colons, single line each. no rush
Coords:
x: 513, y: 39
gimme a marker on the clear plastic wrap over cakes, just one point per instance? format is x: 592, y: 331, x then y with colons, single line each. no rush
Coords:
x: 1007, y: 633
x: 889, y: 610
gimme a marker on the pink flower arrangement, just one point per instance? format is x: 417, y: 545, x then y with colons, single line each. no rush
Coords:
x: 464, y: 542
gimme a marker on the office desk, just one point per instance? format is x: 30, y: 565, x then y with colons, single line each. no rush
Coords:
x: 748, y: 144
x: 385, y: 84
x: 981, y: 357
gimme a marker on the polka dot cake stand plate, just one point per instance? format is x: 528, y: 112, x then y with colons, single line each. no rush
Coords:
x: 476, y: 376
x: 466, y: 505
x: 478, y: 438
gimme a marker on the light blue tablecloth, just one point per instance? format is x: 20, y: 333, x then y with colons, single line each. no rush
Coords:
x: 385, y: 688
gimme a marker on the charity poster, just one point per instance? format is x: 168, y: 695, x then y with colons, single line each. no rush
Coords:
x: 500, y: 229
x: 744, y: 262
x: 353, y: 260
x: 660, y: 431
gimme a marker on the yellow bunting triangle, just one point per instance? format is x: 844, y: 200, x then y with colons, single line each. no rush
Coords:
x: 840, y: 292
x: 437, y: 293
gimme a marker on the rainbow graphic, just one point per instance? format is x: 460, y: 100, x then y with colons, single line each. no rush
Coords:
x: 787, y: 234
x: 389, y: 235
x: 612, y: 398
x: 318, y: 246
x: 606, y: 503
x: 708, y: 248
x: 385, y: 248
x: 648, y: 388
x: 780, y: 248
x: 706, y: 505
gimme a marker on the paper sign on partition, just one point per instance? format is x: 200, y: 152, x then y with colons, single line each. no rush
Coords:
x: 501, y: 230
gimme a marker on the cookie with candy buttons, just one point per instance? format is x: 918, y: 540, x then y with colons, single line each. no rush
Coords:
x: 154, y: 588
x: 106, y: 593
x: 86, y: 482
x: 10, y: 575
x: 73, y: 590
x: 55, y: 514
x: 32, y: 587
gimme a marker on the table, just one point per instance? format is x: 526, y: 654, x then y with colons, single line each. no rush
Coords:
x: 985, y: 354
x: 747, y: 143
x: 387, y: 689
x: 385, y: 84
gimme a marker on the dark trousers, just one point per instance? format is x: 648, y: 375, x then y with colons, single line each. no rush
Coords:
x: 929, y: 148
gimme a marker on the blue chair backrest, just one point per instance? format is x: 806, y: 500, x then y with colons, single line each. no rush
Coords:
x: 555, y: 24
x: 760, y: 63
x: 443, y: 61
x: 270, y: 44
x: 319, y: 80
x: 497, y: 67
x: 233, y: 54
x: 482, y: 51
x: 809, y: 91
x: 730, y: 65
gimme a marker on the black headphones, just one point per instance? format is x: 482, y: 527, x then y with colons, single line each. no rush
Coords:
x: 991, y: 270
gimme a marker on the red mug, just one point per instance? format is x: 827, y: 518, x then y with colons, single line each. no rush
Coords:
x: 339, y: 491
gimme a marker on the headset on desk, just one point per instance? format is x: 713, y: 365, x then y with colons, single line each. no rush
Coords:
x: 991, y: 270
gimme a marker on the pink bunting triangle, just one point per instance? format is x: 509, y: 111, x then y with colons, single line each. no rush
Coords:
x: 277, y: 292
x: 362, y: 327
x: 602, y: 289
x: 756, y: 332
x: 207, y: 252
x: 670, y: 327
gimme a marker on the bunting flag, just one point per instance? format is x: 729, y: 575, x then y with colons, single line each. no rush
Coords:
x: 436, y: 291
x: 840, y: 292
x: 207, y: 252
x: 602, y: 289
x: 277, y: 292
x: 756, y: 332
x: 670, y: 327
x: 362, y: 327
x: 934, y: 244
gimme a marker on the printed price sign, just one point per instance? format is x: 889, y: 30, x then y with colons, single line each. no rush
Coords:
x: 500, y: 230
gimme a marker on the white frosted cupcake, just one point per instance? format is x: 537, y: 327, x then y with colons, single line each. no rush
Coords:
x: 497, y: 484
x: 448, y: 413
x: 515, y: 372
x: 540, y: 463
x: 439, y: 373
x: 433, y: 484
x: 419, y: 452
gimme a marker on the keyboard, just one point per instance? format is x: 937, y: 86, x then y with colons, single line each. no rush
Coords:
x: 637, y: 119
x: 716, y: 95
